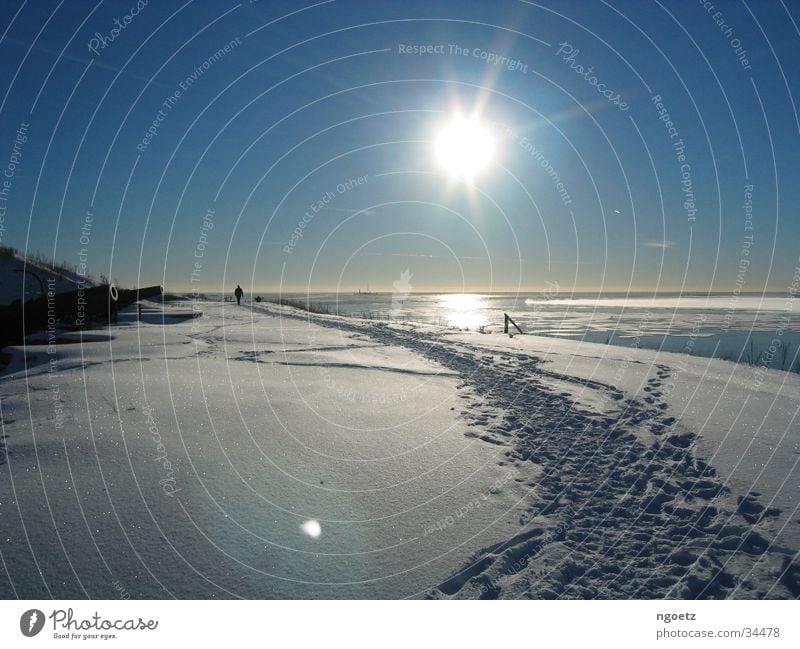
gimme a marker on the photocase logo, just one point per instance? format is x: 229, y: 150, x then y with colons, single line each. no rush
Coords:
x: 31, y: 622
x: 402, y: 289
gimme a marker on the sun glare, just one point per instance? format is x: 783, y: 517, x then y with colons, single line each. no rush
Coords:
x: 464, y: 310
x: 312, y: 528
x: 462, y: 302
x: 464, y: 148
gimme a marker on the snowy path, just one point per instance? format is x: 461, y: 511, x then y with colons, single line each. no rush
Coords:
x: 622, y: 507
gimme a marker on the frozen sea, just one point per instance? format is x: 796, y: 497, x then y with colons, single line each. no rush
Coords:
x: 758, y: 329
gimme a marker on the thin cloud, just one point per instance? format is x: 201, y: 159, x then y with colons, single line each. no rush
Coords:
x: 351, y: 211
x: 664, y: 245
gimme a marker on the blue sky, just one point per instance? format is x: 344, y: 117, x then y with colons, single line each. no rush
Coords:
x: 310, y: 97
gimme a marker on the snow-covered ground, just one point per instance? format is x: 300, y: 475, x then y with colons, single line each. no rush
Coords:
x: 18, y: 279
x: 258, y: 451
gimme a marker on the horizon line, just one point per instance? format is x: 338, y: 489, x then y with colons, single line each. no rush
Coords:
x: 494, y: 291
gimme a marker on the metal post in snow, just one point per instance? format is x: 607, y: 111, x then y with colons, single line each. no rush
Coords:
x: 506, y: 321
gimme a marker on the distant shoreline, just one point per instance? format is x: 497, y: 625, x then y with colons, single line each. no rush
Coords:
x: 560, y: 296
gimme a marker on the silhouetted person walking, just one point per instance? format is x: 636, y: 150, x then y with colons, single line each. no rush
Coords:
x: 238, y: 293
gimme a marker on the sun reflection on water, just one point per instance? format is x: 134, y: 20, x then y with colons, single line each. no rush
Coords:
x: 464, y: 310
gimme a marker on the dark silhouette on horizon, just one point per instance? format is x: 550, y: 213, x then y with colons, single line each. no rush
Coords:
x: 238, y: 293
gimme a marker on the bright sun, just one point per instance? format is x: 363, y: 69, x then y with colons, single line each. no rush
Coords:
x: 464, y: 147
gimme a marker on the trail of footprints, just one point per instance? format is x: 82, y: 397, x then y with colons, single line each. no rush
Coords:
x: 620, y: 518
x: 616, y: 516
